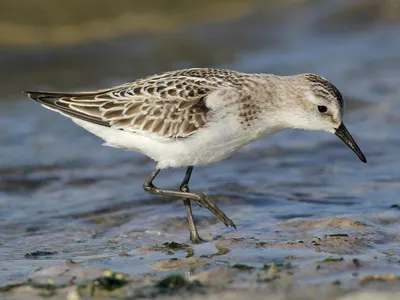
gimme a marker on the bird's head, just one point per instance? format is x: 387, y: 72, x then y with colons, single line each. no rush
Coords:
x: 318, y: 105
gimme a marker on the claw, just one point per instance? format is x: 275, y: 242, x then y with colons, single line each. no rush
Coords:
x: 230, y: 224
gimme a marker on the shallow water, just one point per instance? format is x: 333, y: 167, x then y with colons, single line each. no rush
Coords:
x: 61, y: 191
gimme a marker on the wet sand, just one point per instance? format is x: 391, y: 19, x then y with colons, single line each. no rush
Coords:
x: 296, y: 260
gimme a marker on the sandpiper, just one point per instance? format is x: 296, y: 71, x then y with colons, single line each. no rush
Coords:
x: 195, y: 117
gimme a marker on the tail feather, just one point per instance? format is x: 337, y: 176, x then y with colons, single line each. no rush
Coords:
x: 83, y: 106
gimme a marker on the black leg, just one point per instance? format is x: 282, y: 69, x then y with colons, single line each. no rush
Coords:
x: 199, y: 198
x: 194, y: 235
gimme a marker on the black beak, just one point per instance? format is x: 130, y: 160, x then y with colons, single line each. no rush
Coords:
x: 346, y: 137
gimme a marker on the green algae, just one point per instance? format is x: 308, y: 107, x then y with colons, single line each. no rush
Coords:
x: 242, y: 267
x: 175, y: 246
x: 277, y: 266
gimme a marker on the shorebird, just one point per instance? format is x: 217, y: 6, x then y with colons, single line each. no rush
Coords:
x: 199, y: 116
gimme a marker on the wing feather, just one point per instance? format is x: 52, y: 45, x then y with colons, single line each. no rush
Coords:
x: 171, y: 105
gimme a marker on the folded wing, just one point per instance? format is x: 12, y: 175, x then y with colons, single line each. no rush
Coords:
x: 167, y: 112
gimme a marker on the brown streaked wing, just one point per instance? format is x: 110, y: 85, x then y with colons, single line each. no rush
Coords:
x: 172, y: 117
x: 166, y: 119
x: 171, y: 104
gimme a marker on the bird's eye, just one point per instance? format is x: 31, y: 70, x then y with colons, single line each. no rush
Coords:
x: 322, y: 108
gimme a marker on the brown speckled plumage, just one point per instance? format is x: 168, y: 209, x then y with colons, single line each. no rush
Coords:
x: 171, y: 104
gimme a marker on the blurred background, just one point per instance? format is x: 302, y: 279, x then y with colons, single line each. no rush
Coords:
x: 60, y: 190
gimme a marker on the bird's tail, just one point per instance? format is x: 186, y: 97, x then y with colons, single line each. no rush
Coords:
x: 84, y: 106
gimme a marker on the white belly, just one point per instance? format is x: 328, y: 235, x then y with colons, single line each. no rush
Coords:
x: 208, y: 145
